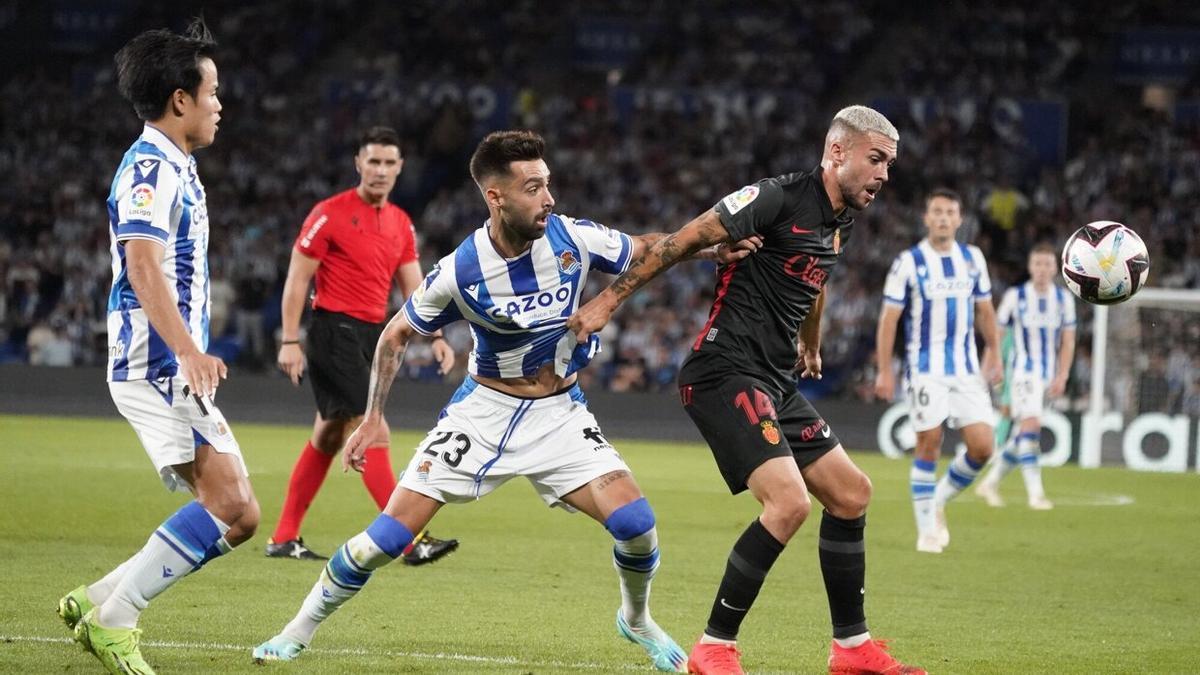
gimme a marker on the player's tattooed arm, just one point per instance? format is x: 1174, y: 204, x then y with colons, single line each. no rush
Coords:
x: 705, y: 230
x: 389, y: 354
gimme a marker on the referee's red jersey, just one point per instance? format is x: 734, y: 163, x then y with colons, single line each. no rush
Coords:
x: 360, y: 248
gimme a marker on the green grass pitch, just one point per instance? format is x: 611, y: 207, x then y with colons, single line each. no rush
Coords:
x: 1101, y: 584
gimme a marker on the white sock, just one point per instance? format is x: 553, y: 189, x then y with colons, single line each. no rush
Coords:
x: 710, y: 640
x: 1006, y: 462
x: 852, y: 641
x: 183, y: 543
x: 922, y: 478
x: 1031, y: 471
x: 98, y: 592
x: 343, y: 577
x: 636, y: 561
x: 959, y: 476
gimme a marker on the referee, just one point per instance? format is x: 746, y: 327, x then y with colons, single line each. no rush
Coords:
x: 355, y: 243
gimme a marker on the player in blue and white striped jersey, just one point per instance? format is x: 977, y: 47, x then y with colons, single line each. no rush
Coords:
x: 1041, y: 319
x: 942, y: 290
x: 520, y: 412
x: 159, y: 376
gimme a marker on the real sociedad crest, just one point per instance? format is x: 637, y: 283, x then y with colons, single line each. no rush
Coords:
x: 567, y: 264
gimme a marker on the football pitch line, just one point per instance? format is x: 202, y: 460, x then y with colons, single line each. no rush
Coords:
x: 438, y: 656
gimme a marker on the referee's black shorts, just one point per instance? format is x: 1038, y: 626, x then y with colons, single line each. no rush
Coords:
x: 340, y: 351
x: 747, y: 421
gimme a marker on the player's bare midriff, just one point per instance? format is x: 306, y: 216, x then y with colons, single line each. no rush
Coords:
x: 544, y: 383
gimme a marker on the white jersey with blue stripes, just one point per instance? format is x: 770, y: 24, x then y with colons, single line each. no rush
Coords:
x: 938, y: 292
x: 1037, y: 321
x: 156, y: 195
x: 518, y: 307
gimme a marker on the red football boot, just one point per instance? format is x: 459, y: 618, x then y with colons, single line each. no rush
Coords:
x: 711, y: 658
x: 869, y: 658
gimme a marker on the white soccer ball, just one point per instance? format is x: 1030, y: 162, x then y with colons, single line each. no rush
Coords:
x: 1105, y: 263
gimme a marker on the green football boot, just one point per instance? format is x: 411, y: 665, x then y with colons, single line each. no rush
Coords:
x: 73, y: 606
x: 117, y: 648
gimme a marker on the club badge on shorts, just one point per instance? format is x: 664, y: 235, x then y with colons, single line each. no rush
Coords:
x: 770, y: 431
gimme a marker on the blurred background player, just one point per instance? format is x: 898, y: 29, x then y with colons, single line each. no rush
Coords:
x: 739, y: 382
x: 939, y: 286
x: 159, y: 376
x: 1040, y: 319
x: 355, y: 243
x: 520, y: 411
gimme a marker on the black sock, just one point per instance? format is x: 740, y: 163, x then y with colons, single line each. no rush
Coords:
x: 844, y: 566
x: 747, y: 567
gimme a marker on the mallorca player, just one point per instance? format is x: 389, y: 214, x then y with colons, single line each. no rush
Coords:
x: 1040, y: 317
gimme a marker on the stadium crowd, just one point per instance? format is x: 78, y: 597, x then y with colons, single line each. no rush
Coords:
x: 645, y: 130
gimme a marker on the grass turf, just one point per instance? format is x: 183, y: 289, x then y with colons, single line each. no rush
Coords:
x: 1085, y: 588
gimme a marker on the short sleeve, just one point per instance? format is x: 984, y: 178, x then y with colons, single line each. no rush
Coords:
x: 983, y: 283
x: 432, y: 305
x: 750, y: 210
x: 610, y: 251
x: 895, y: 288
x: 1008, y: 306
x: 314, y: 233
x: 144, y: 209
x: 408, y: 253
x: 1067, y: 302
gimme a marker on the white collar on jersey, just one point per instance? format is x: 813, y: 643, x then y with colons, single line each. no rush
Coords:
x: 158, y: 139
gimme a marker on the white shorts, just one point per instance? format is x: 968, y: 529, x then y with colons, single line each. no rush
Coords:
x: 171, y: 426
x: 1026, y: 395
x: 485, y: 437
x: 957, y: 401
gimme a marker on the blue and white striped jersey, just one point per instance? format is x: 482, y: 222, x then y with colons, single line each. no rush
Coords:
x: 518, y: 307
x: 1037, y: 322
x: 938, y: 292
x: 156, y: 195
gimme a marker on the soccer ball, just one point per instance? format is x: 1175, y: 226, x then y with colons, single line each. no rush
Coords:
x: 1105, y: 263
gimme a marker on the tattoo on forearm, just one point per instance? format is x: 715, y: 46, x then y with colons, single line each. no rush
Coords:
x: 388, y: 357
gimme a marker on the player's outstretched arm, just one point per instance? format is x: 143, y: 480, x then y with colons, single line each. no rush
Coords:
x: 143, y: 259
x: 301, y: 270
x: 389, y: 354
x: 885, y: 341
x: 703, y: 231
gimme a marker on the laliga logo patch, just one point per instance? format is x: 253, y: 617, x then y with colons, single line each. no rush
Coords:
x: 567, y: 264
x: 423, y: 470
x: 770, y: 431
x: 142, y: 196
x: 739, y: 200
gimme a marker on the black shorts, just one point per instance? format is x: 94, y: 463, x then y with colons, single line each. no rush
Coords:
x: 340, y: 351
x: 747, y: 421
